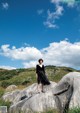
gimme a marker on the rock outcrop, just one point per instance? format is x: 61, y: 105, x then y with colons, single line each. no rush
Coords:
x: 67, y: 92
x: 11, y: 88
x: 10, y: 96
x: 61, y: 96
x: 29, y: 100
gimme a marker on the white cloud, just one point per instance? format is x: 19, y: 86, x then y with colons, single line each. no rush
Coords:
x: 5, y: 5
x: 26, y: 44
x: 53, y: 16
x: 7, y: 67
x: 23, y: 53
x: 59, y: 10
x: 50, y: 24
x: 63, y: 53
x: 40, y: 11
x: 70, y: 3
x: 30, y: 64
x: 55, y: 1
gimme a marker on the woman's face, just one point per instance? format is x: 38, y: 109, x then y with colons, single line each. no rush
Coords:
x: 41, y: 62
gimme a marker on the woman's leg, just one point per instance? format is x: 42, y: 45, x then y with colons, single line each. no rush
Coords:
x: 39, y: 87
x: 42, y: 88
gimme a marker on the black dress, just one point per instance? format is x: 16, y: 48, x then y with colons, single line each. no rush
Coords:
x: 42, y: 78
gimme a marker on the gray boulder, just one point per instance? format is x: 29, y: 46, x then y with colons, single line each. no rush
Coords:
x: 67, y: 92
x: 29, y: 100
x: 10, y: 96
x: 61, y: 96
x: 11, y: 88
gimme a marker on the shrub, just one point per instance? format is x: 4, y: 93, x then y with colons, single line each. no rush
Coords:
x: 5, y: 84
x: 1, y: 91
x: 74, y: 110
x: 3, y: 103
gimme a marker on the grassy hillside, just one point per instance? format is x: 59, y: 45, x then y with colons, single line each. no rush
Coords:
x: 25, y: 77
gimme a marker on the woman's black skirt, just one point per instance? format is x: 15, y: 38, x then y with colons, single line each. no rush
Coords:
x: 42, y: 78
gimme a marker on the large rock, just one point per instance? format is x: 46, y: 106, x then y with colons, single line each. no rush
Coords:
x: 63, y: 95
x: 10, y: 96
x: 11, y: 88
x: 67, y: 92
x: 29, y: 100
x: 10, y: 93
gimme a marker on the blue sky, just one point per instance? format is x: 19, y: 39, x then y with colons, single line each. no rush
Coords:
x: 34, y: 25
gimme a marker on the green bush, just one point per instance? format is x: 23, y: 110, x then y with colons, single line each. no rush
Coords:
x: 3, y: 103
x: 51, y: 111
x: 74, y: 110
x: 1, y: 92
x: 7, y: 74
x: 4, y: 84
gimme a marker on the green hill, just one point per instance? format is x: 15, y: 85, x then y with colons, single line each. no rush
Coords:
x: 26, y: 77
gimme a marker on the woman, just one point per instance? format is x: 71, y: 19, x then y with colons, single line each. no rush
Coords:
x: 41, y: 77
